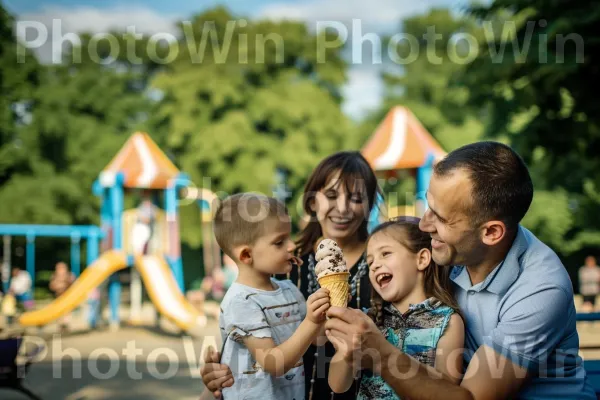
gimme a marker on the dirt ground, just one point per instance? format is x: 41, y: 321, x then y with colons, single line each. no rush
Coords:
x: 142, y: 363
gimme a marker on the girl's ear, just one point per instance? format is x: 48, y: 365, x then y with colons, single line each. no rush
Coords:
x: 423, y: 259
x: 244, y: 254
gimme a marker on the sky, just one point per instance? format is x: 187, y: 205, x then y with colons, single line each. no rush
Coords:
x: 364, y: 89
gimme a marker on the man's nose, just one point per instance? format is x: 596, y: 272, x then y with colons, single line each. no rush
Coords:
x: 425, y: 223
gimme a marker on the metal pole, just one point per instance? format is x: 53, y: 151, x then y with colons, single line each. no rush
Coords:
x: 75, y: 254
x: 6, y: 239
x: 30, y: 260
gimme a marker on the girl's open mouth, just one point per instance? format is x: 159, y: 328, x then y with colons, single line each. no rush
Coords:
x: 383, y: 279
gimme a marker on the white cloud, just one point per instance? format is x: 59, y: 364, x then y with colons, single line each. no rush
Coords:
x: 363, y: 92
x: 94, y: 20
x: 378, y: 15
x: 62, y: 21
x: 364, y: 89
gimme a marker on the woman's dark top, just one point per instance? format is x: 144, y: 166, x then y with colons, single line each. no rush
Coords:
x: 360, y: 287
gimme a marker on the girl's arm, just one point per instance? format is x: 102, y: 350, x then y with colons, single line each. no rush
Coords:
x: 449, y: 353
x: 341, y: 374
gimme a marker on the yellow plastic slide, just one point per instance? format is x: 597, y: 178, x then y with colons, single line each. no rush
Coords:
x: 108, y: 263
x: 165, y: 293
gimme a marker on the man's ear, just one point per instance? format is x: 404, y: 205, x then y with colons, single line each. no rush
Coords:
x: 244, y: 254
x: 423, y: 259
x: 493, y: 232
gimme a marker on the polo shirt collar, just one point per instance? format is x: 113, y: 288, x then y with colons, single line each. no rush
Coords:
x: 503, y: 276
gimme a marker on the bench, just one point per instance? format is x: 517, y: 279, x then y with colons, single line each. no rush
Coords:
x: 12, y: 372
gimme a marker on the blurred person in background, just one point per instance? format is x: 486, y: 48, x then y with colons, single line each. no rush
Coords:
x: 589, y: 283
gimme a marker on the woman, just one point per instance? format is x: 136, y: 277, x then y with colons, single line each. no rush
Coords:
x: 338, y: 198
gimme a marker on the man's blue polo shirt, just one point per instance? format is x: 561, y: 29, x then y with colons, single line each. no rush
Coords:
x: 524, y: 310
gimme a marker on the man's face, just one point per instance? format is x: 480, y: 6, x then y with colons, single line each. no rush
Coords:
x: 454, y: 239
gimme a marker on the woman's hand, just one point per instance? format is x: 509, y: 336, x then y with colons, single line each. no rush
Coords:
x: 214, y: 375
x: 317, y: 305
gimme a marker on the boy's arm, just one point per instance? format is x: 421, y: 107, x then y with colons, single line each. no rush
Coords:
x: 277, y: 360
x: 341, y: 374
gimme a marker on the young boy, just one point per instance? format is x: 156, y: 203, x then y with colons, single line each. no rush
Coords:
x: 266, y: 325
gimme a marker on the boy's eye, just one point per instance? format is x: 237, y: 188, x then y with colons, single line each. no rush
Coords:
x: 385, y: 253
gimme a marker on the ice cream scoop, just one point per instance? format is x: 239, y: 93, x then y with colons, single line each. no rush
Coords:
x: 330, y: 259
x: 332, y: 272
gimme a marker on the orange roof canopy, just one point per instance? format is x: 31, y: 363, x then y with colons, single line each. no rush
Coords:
x: 400, y: 142
x: 143, y: 163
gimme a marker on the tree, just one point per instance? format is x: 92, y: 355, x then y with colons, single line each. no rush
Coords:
x: 78, y: 115
x: 18, y: 80
x: 428, y: 83
x: 539, y: 95
x: 244, y: 108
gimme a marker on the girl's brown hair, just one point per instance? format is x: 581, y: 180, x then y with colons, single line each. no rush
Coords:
x: 436, y: 278
x: 353, y: 168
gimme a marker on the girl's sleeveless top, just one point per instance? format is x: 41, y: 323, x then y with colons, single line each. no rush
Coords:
x: 416, y: 333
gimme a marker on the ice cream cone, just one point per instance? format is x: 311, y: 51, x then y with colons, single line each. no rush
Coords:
x: 338, y: 287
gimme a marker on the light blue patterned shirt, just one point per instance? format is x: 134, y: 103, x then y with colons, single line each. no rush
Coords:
x: 524, y: 310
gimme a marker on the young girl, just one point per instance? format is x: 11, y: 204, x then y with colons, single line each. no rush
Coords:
x: 412, y: 304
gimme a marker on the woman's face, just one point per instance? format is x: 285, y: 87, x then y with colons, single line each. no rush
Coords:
x: 340, y: 213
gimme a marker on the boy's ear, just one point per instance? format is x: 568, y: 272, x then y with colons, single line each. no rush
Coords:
x: 423, y: 259
x: 244, y: 254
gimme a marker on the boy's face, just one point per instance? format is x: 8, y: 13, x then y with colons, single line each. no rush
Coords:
x: 273, y: 251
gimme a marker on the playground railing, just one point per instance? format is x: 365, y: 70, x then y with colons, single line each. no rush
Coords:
x: 592, y: 367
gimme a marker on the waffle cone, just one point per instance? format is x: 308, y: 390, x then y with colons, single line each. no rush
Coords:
x: 338, y: 287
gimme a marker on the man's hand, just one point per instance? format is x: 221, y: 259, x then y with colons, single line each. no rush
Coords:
x: 355, y: 336
x: 317, y: 305
x: 214, y: 375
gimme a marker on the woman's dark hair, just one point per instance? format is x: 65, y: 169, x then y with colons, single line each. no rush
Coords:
x: 437, y: 278
x: 353, y: 168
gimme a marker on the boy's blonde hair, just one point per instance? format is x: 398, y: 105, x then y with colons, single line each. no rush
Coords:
x: 241, y: 219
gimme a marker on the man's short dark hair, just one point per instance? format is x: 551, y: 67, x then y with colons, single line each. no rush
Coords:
x: 502, y: 187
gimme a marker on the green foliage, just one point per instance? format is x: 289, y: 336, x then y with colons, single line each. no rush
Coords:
x: 242, y: 113
x: 538, y: 93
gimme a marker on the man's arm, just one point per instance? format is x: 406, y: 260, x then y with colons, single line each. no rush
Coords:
x: 490, y: 376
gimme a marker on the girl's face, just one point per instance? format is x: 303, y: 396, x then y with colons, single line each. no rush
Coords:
x: 339, y: 212
x: 394, y: 271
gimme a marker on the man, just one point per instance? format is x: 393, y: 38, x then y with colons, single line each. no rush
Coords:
x: 589, y: 283
x: 521, y: 339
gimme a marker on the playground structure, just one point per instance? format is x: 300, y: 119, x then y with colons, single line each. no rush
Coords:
x: 401, y: 142
x: 140, y: 164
